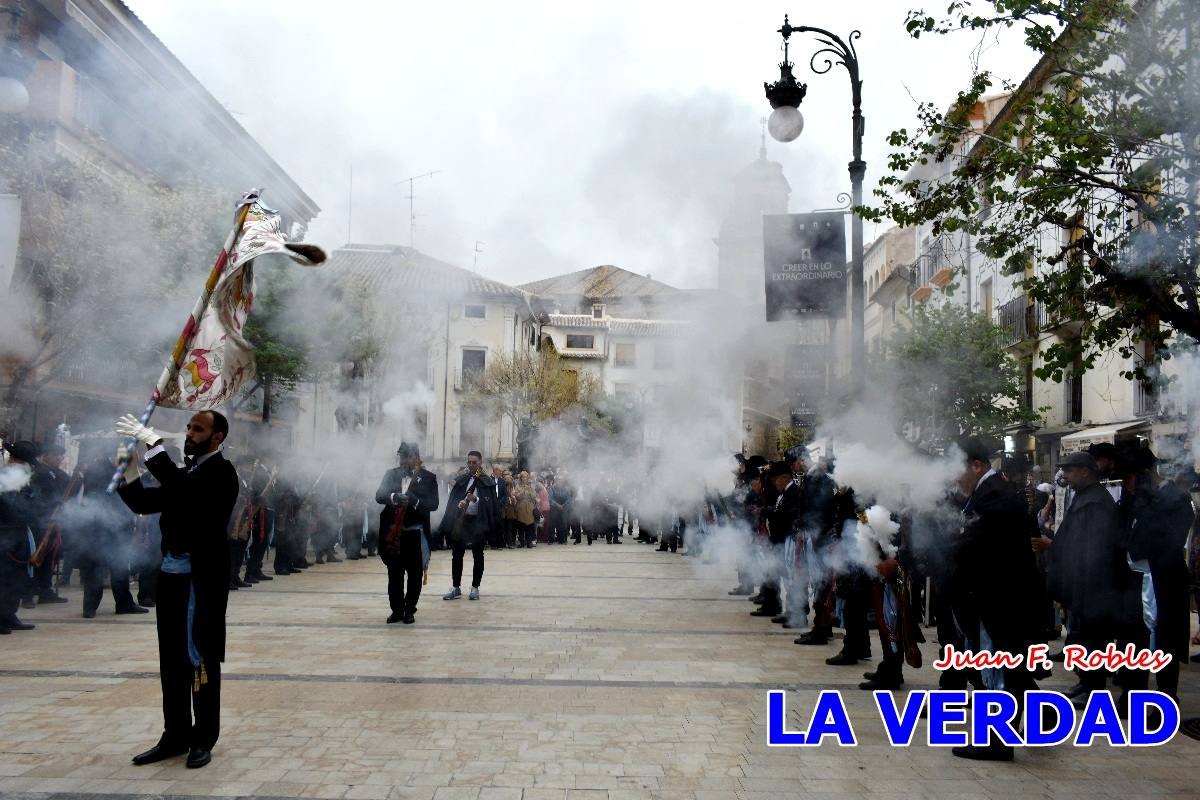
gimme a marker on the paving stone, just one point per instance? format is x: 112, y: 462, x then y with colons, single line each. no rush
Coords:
x: 606, y: 672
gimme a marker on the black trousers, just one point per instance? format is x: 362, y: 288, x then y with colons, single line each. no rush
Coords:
x: 458, y: 549
x: 856, y: 603
x: 92, y: 567
x: 405, y: 571
x: 177, y: 675
x: 237, y: 554
x: 147, y: 584
x: 255, y: 555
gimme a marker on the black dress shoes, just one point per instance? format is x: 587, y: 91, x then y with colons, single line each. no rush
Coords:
x: 46, y: 599
x: 133, y: 610
x: 779, y: 619
x: 998, y: 752
x: 408, y: 618
x: 198, y: 758
x: 89, y: 614
x: 258, y: 576
x: 16, y: 625
x: 842, y: 659
x: 157, y: 753
x: 810, y: 638
x: 395, y: 616
x: 764, y: 611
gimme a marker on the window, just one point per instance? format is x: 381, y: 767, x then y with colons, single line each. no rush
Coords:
x: 475, y: 312
x: 1074, y: 390
x: 625, y: 355
x: 472, y: 427
x: 580, y: 341
x: 473, y: 364
x: 986, y: 299
x: 598, y: 311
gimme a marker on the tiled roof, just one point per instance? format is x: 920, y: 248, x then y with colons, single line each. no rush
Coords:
x: 618, y: 326
x: 576, y: 321
x: 599, y: 283
x: 591, y: 354
x: 391, y: 268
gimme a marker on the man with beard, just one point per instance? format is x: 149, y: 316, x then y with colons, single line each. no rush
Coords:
x: 408, y: 494
x: 470, y: 517
x: 196, y: 502
x: 996, y: 580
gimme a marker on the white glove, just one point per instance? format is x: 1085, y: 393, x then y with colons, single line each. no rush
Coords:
x: 129, y: 426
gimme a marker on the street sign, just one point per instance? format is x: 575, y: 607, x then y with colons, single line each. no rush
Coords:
x: 805, y: 257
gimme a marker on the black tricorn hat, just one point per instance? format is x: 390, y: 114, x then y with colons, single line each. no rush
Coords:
x: 408, y: 449
x: 23, y: 451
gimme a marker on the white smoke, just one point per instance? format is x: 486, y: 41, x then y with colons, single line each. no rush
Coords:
x: 879, y: 465
x: 14, y: 477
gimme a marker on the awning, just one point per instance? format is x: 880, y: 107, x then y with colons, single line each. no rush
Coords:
x: 1081, y: 440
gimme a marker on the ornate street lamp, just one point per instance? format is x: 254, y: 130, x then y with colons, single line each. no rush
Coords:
x: 14, y: 66
x: 785, y: 96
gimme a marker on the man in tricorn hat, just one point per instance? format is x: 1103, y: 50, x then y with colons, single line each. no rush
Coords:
x: 408, y: 493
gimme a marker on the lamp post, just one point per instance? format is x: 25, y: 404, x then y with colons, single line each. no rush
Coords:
x: 785, y: 124
x: 14, y: 66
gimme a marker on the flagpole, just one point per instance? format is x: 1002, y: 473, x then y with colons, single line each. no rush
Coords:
x: 171, y: 369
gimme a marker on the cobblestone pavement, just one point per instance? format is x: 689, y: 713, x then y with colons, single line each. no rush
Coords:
x: 584, y: 672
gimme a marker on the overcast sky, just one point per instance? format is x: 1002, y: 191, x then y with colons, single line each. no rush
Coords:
x: 566, y: 135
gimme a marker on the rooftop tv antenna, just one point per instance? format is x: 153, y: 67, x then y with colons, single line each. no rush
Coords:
x: 412, y: 214
x: 478, y: 250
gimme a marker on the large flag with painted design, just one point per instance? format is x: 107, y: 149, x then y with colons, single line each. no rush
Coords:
x: 218, y: 359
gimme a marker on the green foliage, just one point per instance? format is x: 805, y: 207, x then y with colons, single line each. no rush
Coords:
x: 789, y: 436
x: 952, y: 376
x: 1086, y: 183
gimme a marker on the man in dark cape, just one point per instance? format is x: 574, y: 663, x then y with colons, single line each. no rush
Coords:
x: 411, y: 490
x: 471, y: 515
x: 196, y: 502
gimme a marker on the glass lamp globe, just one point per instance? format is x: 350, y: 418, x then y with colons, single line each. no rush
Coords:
x: 14, y: 97
x: 785, y: 123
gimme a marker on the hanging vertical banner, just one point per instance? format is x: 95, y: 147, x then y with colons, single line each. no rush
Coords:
x: 805, y: 265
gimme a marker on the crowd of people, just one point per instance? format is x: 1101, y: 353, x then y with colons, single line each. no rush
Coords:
x: 1003, y: 562
x: 1107, y: 553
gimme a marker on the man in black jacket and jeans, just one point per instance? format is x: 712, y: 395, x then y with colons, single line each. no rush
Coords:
x: 410, y: 490
x: 196, y: 501
x: 471, y: 516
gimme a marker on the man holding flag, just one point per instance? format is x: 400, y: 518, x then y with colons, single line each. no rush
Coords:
x: 196, y: 502
x: 209, y: 363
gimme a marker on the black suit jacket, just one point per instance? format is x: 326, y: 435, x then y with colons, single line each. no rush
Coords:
x: 489, y: 515
x: 423, y: 499
x: 996, y: 577
x: 195, y: 508
x: 782, y: 517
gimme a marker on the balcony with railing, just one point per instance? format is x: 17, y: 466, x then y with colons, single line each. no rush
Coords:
x: 933, y: 268
x: 1018, y: 318
x: 1068, y: 314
